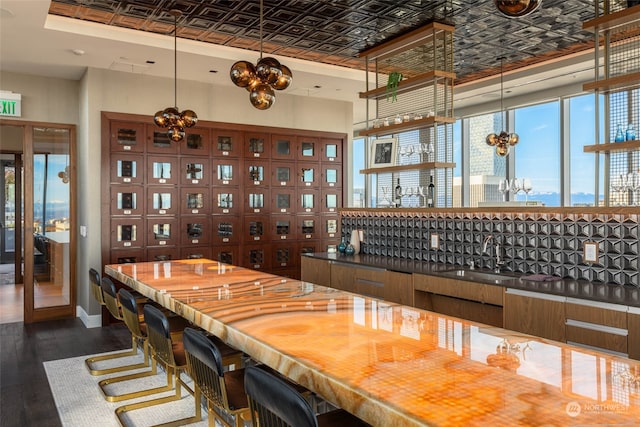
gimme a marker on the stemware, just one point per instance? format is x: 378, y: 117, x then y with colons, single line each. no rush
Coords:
x: 407, y: 151
x: 618, y: 185
x: 514, y: 187
x: 633, y: 182
x: 386, y: 191
x: 421, y: 192
x: 426, y: 149
x: 503, y: 188
x: 409, y: 193
x: 526, y: 187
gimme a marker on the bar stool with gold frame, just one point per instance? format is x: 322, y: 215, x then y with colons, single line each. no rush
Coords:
x: 223, y: 391
x: 103, y: 291
x: 170, y: 354
x: 274, y: 403
x: 131, y: 318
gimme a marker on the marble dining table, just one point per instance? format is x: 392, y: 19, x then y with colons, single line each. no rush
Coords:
x: 389, y: 364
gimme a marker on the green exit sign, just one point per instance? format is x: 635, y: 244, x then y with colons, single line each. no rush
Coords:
x: 10, y: 104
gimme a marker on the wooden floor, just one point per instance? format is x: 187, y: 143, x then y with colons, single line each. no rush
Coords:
x: 25, y: 396
x: 11, y: 303
x: 45, y: 294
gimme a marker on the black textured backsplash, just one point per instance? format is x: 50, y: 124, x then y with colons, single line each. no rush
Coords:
x: 533, y: 243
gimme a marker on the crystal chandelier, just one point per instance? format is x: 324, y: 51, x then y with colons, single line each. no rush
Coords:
x: 503, y: 140
x: 261, y: 80
x: 172, y: 118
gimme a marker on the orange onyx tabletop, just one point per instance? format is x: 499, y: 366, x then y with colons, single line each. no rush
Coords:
x: 389, y: 364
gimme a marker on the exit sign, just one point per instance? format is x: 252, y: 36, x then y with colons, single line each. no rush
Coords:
x: 10, y: 104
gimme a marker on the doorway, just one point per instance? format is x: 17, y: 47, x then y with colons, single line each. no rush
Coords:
x: 37, y: 248
x: 11, y: 288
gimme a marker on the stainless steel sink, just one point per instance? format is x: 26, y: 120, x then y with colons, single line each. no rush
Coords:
x: 475, y: 275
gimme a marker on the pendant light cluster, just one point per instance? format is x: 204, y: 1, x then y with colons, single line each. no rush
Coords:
x: 517, y: 8
x: 503, y: 140
x: 172, y: 118
x: 261, y: 80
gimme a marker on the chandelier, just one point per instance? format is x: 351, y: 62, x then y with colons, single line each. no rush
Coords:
x: 172, y: 118
x: 261, y: 80
x: 517, y: 8
x: 503, y: 140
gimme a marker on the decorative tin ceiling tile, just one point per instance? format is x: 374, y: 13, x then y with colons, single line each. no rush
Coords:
x: 311, y: 29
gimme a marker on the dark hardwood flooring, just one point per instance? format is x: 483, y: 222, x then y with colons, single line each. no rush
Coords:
x: 25, y: 396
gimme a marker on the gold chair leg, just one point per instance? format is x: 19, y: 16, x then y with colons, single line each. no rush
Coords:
x: 134, y: 351
x: 171, y: 373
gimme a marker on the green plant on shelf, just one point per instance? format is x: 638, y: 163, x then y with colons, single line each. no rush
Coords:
x: 392, y: 85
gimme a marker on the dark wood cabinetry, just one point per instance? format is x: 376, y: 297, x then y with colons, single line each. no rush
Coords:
x: 249, y: 195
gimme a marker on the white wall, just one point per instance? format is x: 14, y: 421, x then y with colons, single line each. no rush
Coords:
x: 44, y: 99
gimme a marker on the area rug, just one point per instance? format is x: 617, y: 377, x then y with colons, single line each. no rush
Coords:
x: 80, y: 402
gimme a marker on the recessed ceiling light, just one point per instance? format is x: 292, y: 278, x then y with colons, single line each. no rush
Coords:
x: 78, y: 52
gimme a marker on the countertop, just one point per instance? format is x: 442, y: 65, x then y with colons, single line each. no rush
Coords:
x: 581, y: 289
x: 390, y: 364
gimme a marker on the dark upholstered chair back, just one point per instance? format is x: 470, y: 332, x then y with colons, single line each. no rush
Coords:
x: 274, y: 402
x: 94, y: 283
x: 110, y: 297
x: 130, y: 312
x: 204, y: 364
x: 159, y: 335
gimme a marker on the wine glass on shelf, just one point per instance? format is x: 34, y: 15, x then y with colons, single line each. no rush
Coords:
x: 514, y: 187
x: 633, y: 182
x: 409, y: 193
x: 426, y: 149
x: 618, y: 185
x: 526, y: 187
x: 386, y: 191
x: 408, y: 151
x: 503, y: 188
x: 421, y: 192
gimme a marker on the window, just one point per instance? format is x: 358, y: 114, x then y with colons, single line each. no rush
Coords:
x: 457, y: 159
x: 357, y: 179
x: 537, y: 155
x: 582, y: 120
x: 486, y: 169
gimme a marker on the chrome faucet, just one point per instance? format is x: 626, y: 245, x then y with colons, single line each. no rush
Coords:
x: 497, y: 251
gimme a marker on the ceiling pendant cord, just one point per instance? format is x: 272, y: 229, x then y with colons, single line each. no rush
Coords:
x: 261, y: 15
x: 502, y: 112
x: 172, y: 119
x: 262, y: 79
x: 175, y: 59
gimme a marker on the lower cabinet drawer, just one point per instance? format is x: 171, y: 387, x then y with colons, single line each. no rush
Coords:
x: 613, y: 340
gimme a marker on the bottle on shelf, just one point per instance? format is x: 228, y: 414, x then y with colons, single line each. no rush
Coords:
x: 397, y: 194
x: 631, y: 133
x: 619, y: 134
x: 431, y: 191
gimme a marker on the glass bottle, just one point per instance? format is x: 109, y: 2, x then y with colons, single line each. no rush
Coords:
x: 631, y: 132
x: 619, y: 134
x: 397, y: 194
x: 431, y: 191
x: 343, y: 245
x: 350, y: 250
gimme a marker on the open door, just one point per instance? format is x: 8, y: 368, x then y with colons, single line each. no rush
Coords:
x: 46, y: 245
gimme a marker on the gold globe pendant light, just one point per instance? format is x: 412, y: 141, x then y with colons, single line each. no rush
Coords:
x: 263, y: 79
x: 503, y: 140
x: 171, y: 118
x: 517, y: 8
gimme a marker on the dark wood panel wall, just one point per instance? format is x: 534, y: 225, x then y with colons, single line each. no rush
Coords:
x: 246, y: 195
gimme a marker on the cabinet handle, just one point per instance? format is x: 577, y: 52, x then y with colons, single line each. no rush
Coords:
x: 370, y: 282
x: 536, y: 295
